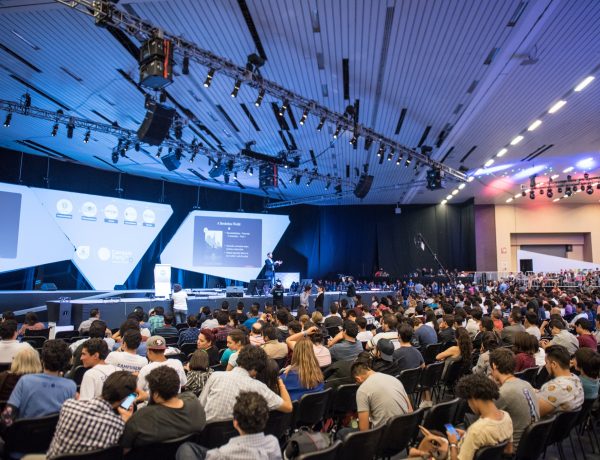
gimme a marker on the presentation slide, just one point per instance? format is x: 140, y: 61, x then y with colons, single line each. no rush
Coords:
x: 227, y: 244
x: 110, y: 234
x: 28, y: 235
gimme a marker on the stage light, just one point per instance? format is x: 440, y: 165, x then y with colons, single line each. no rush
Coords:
x: 516, y: 140
x: 70, y: 128
x: 408, y: 160
x: 381, y: 150
x: 338, y: 130
x: 309, y: 181
x: 209, y: 77
x: 449, y: 197
x: 54, y: 130
x: 533, y: 126
x: 399, y: 161
x: 523, y: 193
x: 589, y: 189
x: 488, y: 163
x: 470, y: 179
x: 560, y: 189
x: 283, y: 107
x: 582, y: 188
x: 598, y: 186
x: 509, y: 199
x: 328, y: 184
x: 541, y: 191
x: 389, y: 157
x: 549, y: 193
x: 86, y: 138
x: 8, y: 119
x: 236, y: 88
x: 115, y: 156
x: 159, y: 152
x: 291, y: 179
x: 532, y: 195
x: 455, y: 192
x: 137, y: 147
x: 321, y: 123
x: 251, y: 171
x: 354, y: 139
x: 260, y: 97
x: 304, y: 116
x: 444, y: 202
x: 185, y: 68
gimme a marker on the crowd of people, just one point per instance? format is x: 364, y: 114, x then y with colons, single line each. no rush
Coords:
x: 229, y: 365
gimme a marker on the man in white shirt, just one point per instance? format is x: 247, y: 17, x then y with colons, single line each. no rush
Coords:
x: 179, y: 298
x: 9, y: 346
x: 93, y: 354
x: 127, y: 358
x: 156, y: 355
x: 388, y: 325
x: 531, y: 326
x: 97, y: 330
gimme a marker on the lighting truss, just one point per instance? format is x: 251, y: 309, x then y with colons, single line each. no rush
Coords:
x: 573, y: 184
x: 106, y: 13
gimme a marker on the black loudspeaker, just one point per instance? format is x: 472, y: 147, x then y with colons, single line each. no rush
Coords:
x: 267, y: 176
x: 48, y: 287
x: 569, y: 248
x: 171, y: 162
x: 526, y: 265
x: 234, y: 291
x: 363, y: 186
x: 156, y: 124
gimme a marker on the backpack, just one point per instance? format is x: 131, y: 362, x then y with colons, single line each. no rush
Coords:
x: 305, y: 441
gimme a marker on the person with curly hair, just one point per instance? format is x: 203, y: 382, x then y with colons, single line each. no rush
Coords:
x: 493, y: 427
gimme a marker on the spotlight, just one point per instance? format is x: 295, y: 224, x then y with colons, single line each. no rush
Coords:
x: 532, y: 195
x: 589, y: 189
x: 598, y: 186
x: 381, y: 150
x: 251, y: 171
x: 568, y: 190
x: 209, y: 77
x: 408, y: 160
x: 328, y: 184
x: 338, y: 130
x: 185, y: 68
x: 309, y: 181
x: 260, y: 97
x: 541, y: 191
x: 560, y: 189
x: 291, y: 179
x: 582, y: 188
x: 368, y: 142
x: 398, y: 161
x: 86, y: 138
x: 8, y: 119
x: 162, y: 98
x: 321, y: 123
x: 70, y: 128
x: 283, y: 108
x: 354, y: 139
x: 159, y: 152
x: 549, y: 193
x: 115, y: 156
x: 304, y: 116
x: 137, y: 147
x: 586, y: 176
x: 523, y: 193
x: 236, y: 88
x: 54, y: 130
x: 389, y: 157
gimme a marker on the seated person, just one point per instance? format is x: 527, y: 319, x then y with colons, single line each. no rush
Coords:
x: 31, y: 324
x: 168, y: 328
x: 199, y: 372
x: 446, y: 333
x: 407, y: 356
x: 587, y: 362
x: 9, y: 345
x: 169, y: 415
x: 189, y: 334
x: 525, y: 347
x: 344, y: 346
x: 250, y: 415
x: 564, y: 392
x: 560, y: 336
x: 273, y: 347
x: 94, y: 423
x: 36, y: 395
x: 489, y: 342
x: 126, y: 358
x: 494, y: 426
x: 93, y: 356
x: 26, y: 361
x: 583, y: 327
x: 156, y: 355
x: 383, y: 358
x: 304, y: 374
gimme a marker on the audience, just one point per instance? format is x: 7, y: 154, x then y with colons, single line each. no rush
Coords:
x: 97, y: 330
x: 31, y: 324
x: 525, y: 347
x: 198, y: 373
x: 561, y: 336
x: 26, y: 361
x: 156, y: 357
x: 9, y: 345
x: 303, y: 375
x: 85, y: 325
x: 407, y: 356
x: 189, y: 334
x: 250, y: 415
x: 489, y: 342
x: 169, y: 415
x: 583, y: 327
x: 221, y: 389
x: 587, y: 362
x: 388, y: 331
x: 314, y: 334
x: 256, y: 337
x: 236, y: 340
x: 517, y: 397
x: 564, y: 392
x: 206, y: 342
x: 273, y: 347
x: 514, y: 327
x: 126, y: 358
x: 168, y: 328
x: 156, y: 319
x: 93, y: 355
x: 96, y: 423
x: 344, y: 346
x: 531, y: 324
x: 446, y: 333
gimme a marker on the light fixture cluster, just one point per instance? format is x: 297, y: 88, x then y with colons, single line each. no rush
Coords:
x: 569, y: 187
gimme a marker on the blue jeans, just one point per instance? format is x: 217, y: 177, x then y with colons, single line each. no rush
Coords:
x: 180, y: 316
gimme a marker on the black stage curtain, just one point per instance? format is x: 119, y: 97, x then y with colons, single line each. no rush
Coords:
x: 321, y: 241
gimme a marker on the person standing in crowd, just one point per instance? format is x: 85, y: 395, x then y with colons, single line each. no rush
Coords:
x: 179, y: 303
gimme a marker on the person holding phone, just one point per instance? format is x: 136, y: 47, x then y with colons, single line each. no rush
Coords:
x: 85, y: 425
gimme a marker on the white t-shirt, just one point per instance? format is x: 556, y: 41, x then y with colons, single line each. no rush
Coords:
x: 93, y: 380
x: 364, y: 336
x: 142, y: 384
x: 9, y: 348
x: 534, y: 331
x: 126, y: 361
x: 179, y: 300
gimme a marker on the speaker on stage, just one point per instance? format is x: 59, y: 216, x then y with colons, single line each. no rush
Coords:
x: 48, y: 287
x: 171, y: 162
x: 156, y: 124
x: 234, y: 291
x: 363, y: 186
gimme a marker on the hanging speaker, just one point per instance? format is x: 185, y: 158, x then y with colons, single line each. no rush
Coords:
x: 171, y: 162
x: 363, y: 186
x: 157, y: 123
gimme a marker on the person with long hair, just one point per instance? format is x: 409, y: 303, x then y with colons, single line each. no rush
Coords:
x: 304, y: 374
x: 525, y: 348
x: 269, y: 375
x: 206, y: 342
x: 31, y: 324
x: 26, y: 361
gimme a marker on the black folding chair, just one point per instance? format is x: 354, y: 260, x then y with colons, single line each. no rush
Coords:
x: 279, y: 424
x: 361, y: 445
x: 35, y: 341
x: 217, y: 434
x: 343, y: 400
x: 431, y: 351
x: 528, y: 375
x: 410, y: 380
x: 165, y: 450
x: 77, y: 374
x: 311, y: 408
x: 66, y: 335
x: 30, y: 435
x: 440, y: 414
x: 533, y: 440
x: 561, y: 430
x: 331, y: 453
x: 491, y: 452
x: 401, y: 431
x: 188, y: 348
x: 430, y: 378
x: 37, y: 333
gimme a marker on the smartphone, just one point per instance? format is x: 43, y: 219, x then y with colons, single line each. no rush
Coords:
x: 450, y: 429
x: 128, y: 401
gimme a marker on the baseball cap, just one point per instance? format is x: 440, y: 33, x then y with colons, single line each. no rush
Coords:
x: 386, y: 349
x: 156, y: 342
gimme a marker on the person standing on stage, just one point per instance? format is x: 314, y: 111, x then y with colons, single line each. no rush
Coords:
x: 179, y: 303
x: 270, y: 265
x: 277, y: 293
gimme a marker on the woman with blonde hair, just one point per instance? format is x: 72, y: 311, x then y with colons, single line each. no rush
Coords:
x: 26, y: 361
x: 304, y: 374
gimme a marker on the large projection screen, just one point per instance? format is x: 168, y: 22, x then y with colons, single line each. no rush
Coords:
x: 226, y: 244
x: 28, y: 235
x: 110, y: 234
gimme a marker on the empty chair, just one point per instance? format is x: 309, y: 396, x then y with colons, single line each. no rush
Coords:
x: 35, y: 341
x: 171, y: 340
x: 331, y: 453
x: 491, y: 452
x: 181, y: 326
x: 165, y: 450
x: 311, y: 408
x: 344, y: 400
x: 430, y: 377
x: 361, y: 445
x: 431, y: 351
x: 584, y: 423
x: 399, y: 433
x: 188, y: 348
x: 453, y: 374
x: 217, y: 434
x: 66, y: 334
x: 109, y: 453
x: 440, y: 414
x: 278, y: 424
x: 528, y: 375
x: 37, y: 333
x: 533, y: 440
x: 410, y: 380
x: 30, y: 435
x: 561, y: 430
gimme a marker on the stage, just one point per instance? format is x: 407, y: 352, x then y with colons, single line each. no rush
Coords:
x: 72, y: 307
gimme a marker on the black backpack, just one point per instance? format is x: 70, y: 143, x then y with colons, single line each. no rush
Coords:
x: 305, y: 441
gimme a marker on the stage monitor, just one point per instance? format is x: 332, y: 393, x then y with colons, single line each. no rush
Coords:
x: 226, y: 244
x: 110, y: 234
x: 28, y: 235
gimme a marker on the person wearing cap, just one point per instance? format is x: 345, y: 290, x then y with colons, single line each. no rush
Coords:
x: 383, y: 360
x: 156, y: 346
x: 344, y: 346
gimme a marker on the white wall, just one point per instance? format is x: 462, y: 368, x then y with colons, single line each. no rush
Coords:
x: 544, y: 263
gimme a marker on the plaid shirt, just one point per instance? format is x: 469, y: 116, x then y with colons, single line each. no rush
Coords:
x: 84, y: 426
x: 155, y: 322
x: 189, y: 335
